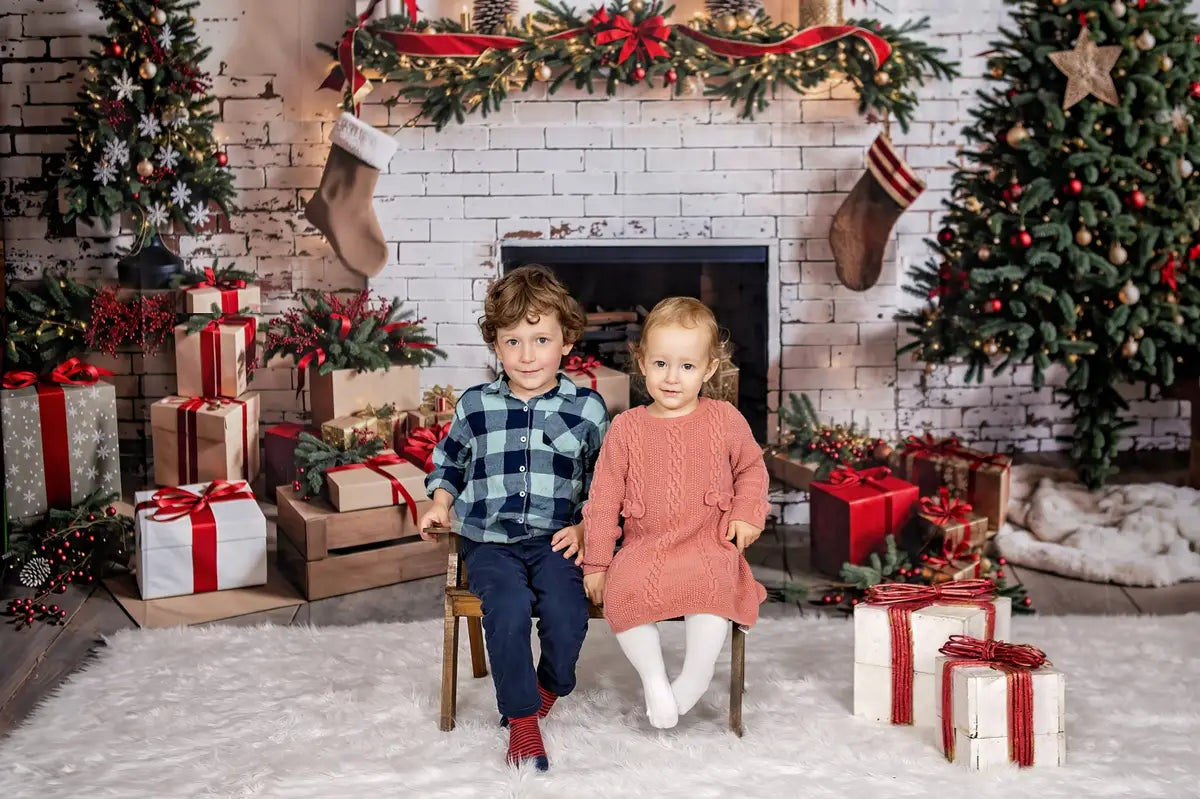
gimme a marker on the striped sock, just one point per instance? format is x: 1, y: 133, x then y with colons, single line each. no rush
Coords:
x: 525, y: 743
x: 548, y: 698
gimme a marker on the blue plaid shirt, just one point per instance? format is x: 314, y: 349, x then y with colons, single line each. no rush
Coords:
x: 519, y: 469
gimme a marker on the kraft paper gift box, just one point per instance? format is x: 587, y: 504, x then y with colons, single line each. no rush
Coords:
x: 974, y: 730
x: 383, y: 480
x: 199, y: 440
x: 216, y: 361
x: 437, y: 407
x: 792, y: 473
x: 221, y: 543
x: 854, y: 512
x: 931, y: 627
x: 60, y: 444
x: 227, y: 296
x: 612, y: 384
x: 279, y: 448
x: 345, y: 391
x: 961, y: 528
x: 981, y: 477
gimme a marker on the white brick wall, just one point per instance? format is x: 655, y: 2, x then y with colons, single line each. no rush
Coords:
x: 575, y: 166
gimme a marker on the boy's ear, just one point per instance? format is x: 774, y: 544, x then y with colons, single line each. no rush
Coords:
x: 566, y: 347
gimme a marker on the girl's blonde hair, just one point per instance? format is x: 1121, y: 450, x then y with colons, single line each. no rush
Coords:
x: 685, y: 312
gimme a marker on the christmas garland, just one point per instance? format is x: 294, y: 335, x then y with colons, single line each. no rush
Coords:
x: 805, y: 438
x: 46, y: 324
x: 451, y: 71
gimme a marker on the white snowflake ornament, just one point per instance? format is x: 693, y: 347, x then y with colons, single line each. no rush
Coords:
x: 117, y: 150
x: 125, y: 87
x: 157, y: 214
x: 148, y: 126
x: 105, y: 172
x: 167, y: 156
x: 180, y: 193
x: 198, y: 214
x: 165, y: 35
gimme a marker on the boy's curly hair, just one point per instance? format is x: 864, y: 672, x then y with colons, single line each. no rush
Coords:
x: 524, y: 294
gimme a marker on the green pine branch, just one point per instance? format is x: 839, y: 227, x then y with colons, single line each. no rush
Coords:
x: 314, y: 457
x: 46, y: 324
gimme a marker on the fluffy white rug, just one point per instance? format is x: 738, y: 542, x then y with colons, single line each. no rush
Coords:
x: 302, y: 712
x: 1137, y: 534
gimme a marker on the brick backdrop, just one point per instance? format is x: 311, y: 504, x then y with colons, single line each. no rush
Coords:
x: 572, y: 167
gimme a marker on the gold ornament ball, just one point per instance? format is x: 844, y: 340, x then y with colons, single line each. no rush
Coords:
x: 990, y: 347
x: 1145, y: 41
x: 727, y: 23
x: 1117, y: 255
x: 882, y: 78
x: 1171, y: 298
x: 543, y: 72
x: 384, y: 347
x: 1129, y: 293
x: 1083, y: 237
x: 1139, y: 333
x: 1129, y: 348
x: 1165, y: 63
x: 745, y: 19
x: 637, y: 6
x: 147, y: 70
x: 984, y: 252
x: 145, y: 168
x: 158, y: 16
x: 1016, y: 134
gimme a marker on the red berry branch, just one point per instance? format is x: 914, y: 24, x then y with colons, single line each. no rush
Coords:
x: 143, y: 322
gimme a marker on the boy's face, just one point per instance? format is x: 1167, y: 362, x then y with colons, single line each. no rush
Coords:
x: 531, y: 353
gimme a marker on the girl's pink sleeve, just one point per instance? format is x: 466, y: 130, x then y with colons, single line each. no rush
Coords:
x: 750, y: 477
x: 602, y: 511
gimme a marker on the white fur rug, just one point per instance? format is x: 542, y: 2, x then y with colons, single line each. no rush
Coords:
x: 352, y: 712
x: 1137, y: 534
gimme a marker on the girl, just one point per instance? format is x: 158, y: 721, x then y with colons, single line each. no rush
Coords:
x: 689, y: 479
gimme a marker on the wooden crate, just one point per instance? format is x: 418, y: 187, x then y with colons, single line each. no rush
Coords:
x: 326, y: 553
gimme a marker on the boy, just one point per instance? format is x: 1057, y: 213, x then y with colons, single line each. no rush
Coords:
x: 516, y: 466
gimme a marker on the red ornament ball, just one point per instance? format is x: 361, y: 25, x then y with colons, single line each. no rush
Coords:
x: 91, y: 517
x: 639, y: 73
x: 1195, y: 90
x: 110, y: 510
x: 672, y: 76
x: 995, y: 305
x: 222, y: 159
x: 999, y: 572
x: 945, y: 236
x: 1013, y: 191
x: 295, y: 485
x: 1074, y: 187
x: 1137, y: 200
x: 1002, y: 561
x: 116, y: 49
x: 1021, y: 239
x: 1026, y: 601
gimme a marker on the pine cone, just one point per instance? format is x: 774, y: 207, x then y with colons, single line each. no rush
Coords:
x: 721, y: 8
x: 35, y: 572
x: 493, y: 16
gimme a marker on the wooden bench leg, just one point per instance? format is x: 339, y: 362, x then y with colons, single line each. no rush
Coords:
x: 475, y: 642
x: 737, y: 678
x: 449, y: 671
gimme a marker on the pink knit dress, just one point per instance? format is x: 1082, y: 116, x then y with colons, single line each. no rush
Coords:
x: 677, y: 482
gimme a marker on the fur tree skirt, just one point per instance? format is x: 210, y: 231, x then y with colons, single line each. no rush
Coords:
x: 1138, y: 534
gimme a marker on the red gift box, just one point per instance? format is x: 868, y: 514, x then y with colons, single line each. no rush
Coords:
x: 854, y: 512
x: 280, y: 444
x: 417, y: 448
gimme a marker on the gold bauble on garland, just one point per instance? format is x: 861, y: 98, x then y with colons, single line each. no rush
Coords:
x: 745, y: 18
x: 543, y: 72
x: 727, y: 23
x: 1016, y: 134
x: 1129, y: 293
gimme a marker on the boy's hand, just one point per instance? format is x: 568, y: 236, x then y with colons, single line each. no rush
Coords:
x: 570, y: 541
x: 437, y: 516
x: 743, y: 533
x: 593, y: 586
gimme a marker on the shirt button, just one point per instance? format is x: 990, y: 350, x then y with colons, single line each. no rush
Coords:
x: 521, y: 519
x: 523, y: 439
x: 522, y: 468
x: 522, y: 493
x: 526, y: 409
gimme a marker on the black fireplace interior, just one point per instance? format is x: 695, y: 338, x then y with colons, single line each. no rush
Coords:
x: 732, y: 280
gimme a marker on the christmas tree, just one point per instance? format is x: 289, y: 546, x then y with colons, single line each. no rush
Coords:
x: 1071, y: 234
x: 144, y: 140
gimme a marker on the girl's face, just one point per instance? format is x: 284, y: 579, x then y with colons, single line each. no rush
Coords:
x: 675, y: 362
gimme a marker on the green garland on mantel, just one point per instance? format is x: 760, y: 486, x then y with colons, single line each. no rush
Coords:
x: 450, y: 88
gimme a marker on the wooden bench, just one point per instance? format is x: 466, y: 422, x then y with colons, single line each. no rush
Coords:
x: 462, y: 604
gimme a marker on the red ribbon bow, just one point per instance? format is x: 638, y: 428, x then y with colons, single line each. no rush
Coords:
x: 1002, y: 653
x: 578, y: 365
x: 928, y: 446
x: 648, y: 35
x: 848, y: 476
x: 1167, y: 275
x: 19, y: 379
x: 210, y: 281
x: 346, y: 69
x: 952, y: 591
x: 418, y: 447
x: 946, y: 510
x: 174, y: 502
x: 376, y: 465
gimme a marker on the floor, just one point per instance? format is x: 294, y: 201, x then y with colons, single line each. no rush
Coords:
x: 36, y: 659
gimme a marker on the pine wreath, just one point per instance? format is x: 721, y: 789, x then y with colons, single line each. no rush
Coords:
x: 493, y: 16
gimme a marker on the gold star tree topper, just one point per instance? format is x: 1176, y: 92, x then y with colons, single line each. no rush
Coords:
x: 1087, y: 68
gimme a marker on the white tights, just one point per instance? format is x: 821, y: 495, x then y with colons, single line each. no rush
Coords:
x: 666, y: 700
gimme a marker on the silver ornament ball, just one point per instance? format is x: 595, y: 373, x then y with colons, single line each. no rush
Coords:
x: 1145, y: 41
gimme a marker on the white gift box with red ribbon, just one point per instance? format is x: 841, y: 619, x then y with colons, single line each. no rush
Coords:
x: 197, y: 538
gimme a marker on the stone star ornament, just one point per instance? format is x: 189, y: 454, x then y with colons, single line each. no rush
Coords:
x: 1087, y: 68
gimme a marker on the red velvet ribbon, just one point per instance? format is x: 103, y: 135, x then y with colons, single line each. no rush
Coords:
x: 928, y: 447
x: 74, y: 372
x: 648, y: 35
x: 211, y: 368
x: 1018, y: 662
x: 186, y: 435
x: 901, y: 599
x: 419, y: 445
x: 848, y: 477
x: 376, y: 465
x: 806, y: 39
x: 173, y: 503
x: 337, y: 77
x: 19, y: 379
x: 578, y: 365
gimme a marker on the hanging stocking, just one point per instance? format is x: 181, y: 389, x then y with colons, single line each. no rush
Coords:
x: 341, y: 208
x: 863, y: 225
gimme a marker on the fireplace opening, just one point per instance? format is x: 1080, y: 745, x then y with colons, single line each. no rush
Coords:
x: 618, y: 285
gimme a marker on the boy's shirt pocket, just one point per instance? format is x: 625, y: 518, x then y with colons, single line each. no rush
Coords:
x: 562, y: 437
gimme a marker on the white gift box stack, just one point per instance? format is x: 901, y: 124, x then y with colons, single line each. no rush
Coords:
x: 979, y: 715
x: 222, y: 545
x: 931, y: 627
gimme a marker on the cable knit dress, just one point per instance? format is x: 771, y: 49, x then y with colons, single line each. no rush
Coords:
x: 677, y: 482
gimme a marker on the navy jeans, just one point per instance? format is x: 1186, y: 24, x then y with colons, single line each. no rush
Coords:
x: 515, y: 582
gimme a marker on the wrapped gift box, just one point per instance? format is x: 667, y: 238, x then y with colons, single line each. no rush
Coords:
x: 60, y: 444
x: 383, y: 480
x: 977, y: 724
x: 345, y: 431
x: 228, y: 297
x: 854, y: 512
x: 217, y: 360
x: 279, y: 446
x: 981, y: 477
x: 194, y: 547
x: 960, y: 527
x: 792, y: 473
x: 199, y: 440
x: 931, y: 627
x: 345, y: 391
x: 613, y: 385
x: 942, y: 570
x: 417, y: 448
x: 411, y: 421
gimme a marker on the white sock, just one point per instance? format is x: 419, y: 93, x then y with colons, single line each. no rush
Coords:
x: 705, y: 637
x: 642, y: 647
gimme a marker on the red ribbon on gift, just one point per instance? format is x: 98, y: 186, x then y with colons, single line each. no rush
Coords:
x: 578, y: 365
x: 848, y: 476
x: 211, y: 368
x: 186, y: 435
x: 74, y: 372
x: 19, y: 379
x: 1018, y: 662
x: 229, y: 289
x: 901, y: 600
x: 376, y: 465
x: 419, y: 445
x: 172, y: 503
x: 928, y: 447
x: 945, y: 512
x: 647, y: 36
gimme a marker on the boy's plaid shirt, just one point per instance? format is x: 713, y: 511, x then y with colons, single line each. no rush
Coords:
x: 519, y: 469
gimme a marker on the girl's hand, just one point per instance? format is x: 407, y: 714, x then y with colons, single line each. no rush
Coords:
x: 743, y: 533
x: 570, y: 541
x: 593, y: 586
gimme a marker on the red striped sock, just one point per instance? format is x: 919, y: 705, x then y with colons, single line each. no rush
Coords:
x: 548, y: 698
x: 525, y: 743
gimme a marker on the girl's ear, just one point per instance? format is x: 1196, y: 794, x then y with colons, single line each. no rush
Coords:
x: 712, y: 370
x: 641, y: 365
